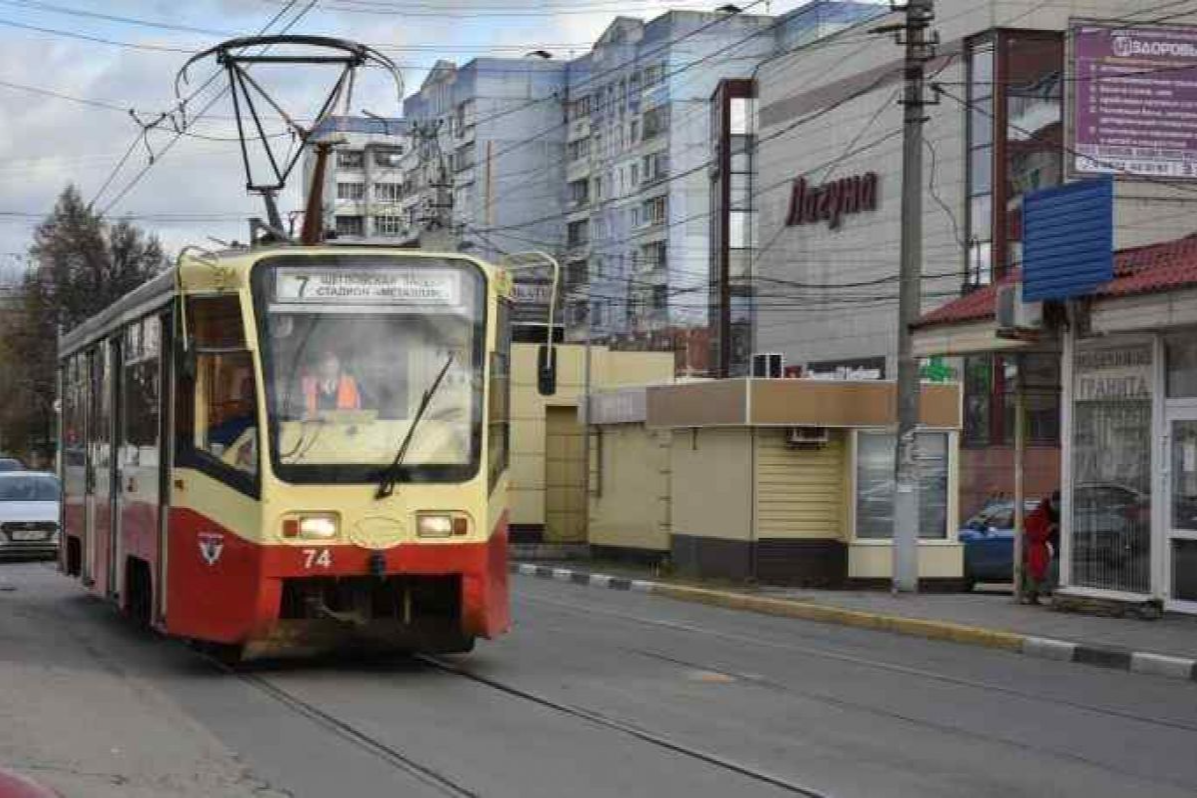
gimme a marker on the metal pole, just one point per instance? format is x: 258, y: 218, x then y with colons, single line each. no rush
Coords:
x: 919, y: 14
x: 586, y: 414
x: 1020, y: 445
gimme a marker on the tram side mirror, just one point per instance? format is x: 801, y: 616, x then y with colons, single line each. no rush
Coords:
x: 546, y: 370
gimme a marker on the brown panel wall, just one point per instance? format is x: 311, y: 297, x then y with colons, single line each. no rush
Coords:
x: 699, y: 404
x: 846, y: 404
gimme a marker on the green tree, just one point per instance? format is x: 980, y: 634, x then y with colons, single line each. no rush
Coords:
x: 80, y: 265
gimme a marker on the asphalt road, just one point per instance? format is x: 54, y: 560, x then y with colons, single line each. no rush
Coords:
x: 595, y: 693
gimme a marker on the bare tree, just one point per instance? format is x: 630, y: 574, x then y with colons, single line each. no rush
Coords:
x: 80, y: 264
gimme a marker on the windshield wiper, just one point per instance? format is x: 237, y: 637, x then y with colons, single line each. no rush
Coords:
x: 388, y: 478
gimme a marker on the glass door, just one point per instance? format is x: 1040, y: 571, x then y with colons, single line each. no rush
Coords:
x: 1181, y: 546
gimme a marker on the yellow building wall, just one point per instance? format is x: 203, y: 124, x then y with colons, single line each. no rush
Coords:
x: 711, y: 482
x: 937, y: 560
x: 629, y: 502
x: 799, y: 493
x: 528, y: 436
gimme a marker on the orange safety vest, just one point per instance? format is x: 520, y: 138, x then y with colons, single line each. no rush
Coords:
x: 348, y: 397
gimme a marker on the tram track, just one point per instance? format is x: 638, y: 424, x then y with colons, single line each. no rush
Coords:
x: 823, y: 652
x: 349, y: 732
x: 446, y: 784
x: 626, y: 728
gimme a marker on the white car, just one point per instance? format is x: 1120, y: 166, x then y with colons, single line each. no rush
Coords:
x: 29, y: 505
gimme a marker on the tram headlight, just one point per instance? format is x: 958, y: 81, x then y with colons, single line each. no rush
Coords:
x: 312, y: 527
x: 441, y: 525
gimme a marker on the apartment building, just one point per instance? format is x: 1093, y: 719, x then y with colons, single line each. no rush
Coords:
x: 490, y: 148
x: 363, y: 178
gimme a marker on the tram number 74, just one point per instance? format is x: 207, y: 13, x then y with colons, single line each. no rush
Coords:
x: 313, y: 558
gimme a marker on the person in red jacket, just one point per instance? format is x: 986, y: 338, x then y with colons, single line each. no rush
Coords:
x: 1041, y: 528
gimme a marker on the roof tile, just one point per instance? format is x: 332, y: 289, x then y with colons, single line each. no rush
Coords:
x: 1154, y: 268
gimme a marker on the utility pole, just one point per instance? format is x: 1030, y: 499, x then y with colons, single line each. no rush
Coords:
x: 919, y: 47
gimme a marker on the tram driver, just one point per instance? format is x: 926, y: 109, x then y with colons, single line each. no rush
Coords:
x: 329, y: 387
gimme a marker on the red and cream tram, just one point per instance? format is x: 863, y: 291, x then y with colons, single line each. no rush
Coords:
x: 295, y: 450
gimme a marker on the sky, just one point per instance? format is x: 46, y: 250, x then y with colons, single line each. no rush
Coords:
x: 74, y: 74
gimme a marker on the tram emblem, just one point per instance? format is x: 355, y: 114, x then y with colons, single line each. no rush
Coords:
x: 211, y: 545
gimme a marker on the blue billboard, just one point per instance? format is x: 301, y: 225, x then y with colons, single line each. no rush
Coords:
x: 1067, y: 240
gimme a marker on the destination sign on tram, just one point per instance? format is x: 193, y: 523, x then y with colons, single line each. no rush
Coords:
x: 377, y: 286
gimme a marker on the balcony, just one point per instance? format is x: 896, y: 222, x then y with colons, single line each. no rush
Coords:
x: 578, y: 129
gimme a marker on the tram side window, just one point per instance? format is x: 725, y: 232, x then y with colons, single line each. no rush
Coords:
x: 499, y: 429
x: 220, y: 420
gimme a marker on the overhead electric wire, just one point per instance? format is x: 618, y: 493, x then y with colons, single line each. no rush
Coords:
x: 180, y: 106
x: 513, y: 12
x: 216, y: 98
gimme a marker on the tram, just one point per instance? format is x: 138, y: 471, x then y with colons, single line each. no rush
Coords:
x: 295, y: 450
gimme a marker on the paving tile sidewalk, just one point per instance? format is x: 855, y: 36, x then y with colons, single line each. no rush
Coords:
x: 1172, y: 635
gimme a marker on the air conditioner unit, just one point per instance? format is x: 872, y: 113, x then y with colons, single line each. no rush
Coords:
x: 1014, y: 314
x: 807, y: 436
x: 768, y: 365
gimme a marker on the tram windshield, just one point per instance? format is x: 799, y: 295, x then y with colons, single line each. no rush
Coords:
x: 350, y: 344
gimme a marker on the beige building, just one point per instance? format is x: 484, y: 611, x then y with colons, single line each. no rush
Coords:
x: 784, y: 481
x: 548, y: 466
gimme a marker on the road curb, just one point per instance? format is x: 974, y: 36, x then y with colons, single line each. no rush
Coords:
x: 1141, y: 662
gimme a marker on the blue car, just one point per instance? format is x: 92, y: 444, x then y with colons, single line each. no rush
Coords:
x: 988, y: 539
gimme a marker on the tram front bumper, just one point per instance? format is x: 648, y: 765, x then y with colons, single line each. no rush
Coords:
x: 223, y: 588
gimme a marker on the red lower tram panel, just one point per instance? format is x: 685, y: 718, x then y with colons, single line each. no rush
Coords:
x: 301, y: 600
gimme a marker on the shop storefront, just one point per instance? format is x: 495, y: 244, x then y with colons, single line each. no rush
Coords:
x: 1128, y: 436
x: 1132, y: 468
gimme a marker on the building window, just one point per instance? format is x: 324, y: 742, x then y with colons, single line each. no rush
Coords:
x: 875, y: 485
x: 1015, y: 142
x: 388, y: 192
x: 654, y: 211
x: 1111, y: 468
x: 598, y: 188
x: 463, y: 158
x: 388, y: 158
x: 978, y: 268
x: 656, y: 122
x: 1041, y: 398
x: 577, y: 234
x: 741, y: 110
x: 580, y: 108
x: 579, y: 193
x: 350, y: 225
x: 576, y: 273
x: 656, y: 167
x: 1032, y: 66
x: 660, y: 297
x: 978, y: 397
x: 1181, y: 359
x: 351, y: 191
x: 652, y: 256
x: 351, y: 159
x: 990, y: 399
x: 579, y: 149
x: 388, y: 225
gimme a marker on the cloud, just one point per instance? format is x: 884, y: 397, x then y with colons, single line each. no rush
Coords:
x: 46, y: 143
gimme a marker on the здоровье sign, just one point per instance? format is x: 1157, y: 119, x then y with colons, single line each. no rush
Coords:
x: 1135, y: 100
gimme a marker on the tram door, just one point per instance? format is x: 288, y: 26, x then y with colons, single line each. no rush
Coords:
x: 101, y: 536
x: 138, y: 494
